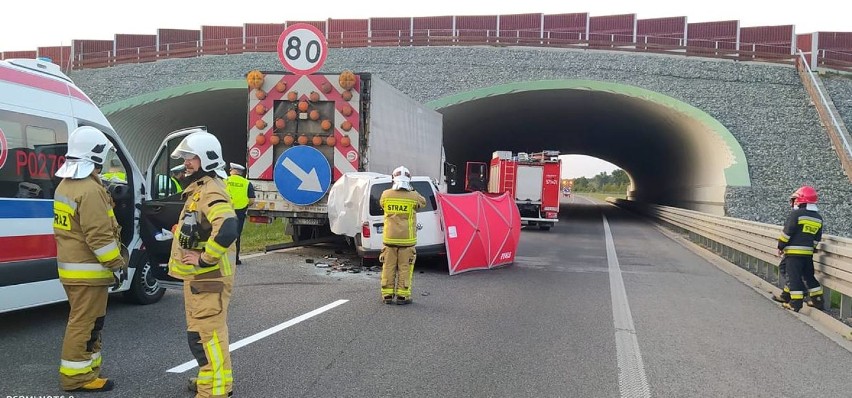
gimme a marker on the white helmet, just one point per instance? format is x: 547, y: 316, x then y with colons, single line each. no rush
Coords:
x: 206, y: 147
x: 87, y: 146
x: 401, y: 179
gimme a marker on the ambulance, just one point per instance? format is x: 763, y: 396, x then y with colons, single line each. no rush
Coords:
x: 39, y: 107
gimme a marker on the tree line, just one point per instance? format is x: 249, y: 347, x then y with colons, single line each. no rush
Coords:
x: 617, y: 182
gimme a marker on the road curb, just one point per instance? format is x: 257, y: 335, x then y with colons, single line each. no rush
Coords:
x: 824, y: 323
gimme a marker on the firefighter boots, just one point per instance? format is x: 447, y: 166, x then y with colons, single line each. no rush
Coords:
x: 192, y: 385
x: 96, y: 385
x: 816, y: 302
x: 784, y: 297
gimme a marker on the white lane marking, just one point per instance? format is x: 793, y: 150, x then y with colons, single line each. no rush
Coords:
x: 266, y: 333
x: 632, y: 381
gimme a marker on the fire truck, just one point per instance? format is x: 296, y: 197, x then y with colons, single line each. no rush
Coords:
x: 532, y: 179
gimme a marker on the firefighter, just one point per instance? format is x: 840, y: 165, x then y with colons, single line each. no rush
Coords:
x: 400, y: 204
x: 797, y: 243
x: 202, y: 255
x: 784, y: 297
x: 242, y: 196
x: 88, y: 251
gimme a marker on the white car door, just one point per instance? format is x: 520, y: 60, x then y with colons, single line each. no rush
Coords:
x: 429, y: 229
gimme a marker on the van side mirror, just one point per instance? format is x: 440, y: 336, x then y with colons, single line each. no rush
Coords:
x: 450, y: 172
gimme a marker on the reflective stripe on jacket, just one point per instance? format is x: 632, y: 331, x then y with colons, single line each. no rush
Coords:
x: 88, y: 237
x: 802, y: 232
x: 400, y: 208
x: 209, y: 198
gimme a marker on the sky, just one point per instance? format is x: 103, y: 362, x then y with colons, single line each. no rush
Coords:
x: 575, y: 166
x: 54, y: 23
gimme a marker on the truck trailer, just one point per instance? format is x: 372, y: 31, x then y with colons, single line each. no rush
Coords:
x: 345, y: 122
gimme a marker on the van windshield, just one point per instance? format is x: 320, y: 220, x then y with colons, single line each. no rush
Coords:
x: 422, y: 187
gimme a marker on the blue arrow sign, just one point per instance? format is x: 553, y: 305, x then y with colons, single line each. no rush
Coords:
x: 302, y: 175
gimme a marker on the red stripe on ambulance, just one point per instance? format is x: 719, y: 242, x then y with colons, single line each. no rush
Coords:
x: 29, y: 247
x: 41, y: 83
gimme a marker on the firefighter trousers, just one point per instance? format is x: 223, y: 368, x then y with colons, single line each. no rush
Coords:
x: 81, y: 347
x: 397, y: 270
x: 206, y: 302
x: 800, y: 276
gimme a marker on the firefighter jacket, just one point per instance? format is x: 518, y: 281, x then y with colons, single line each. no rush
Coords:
x: 802, y: 232
x: 216, y: 226
x: 88, y: 237
x: 400, y: 208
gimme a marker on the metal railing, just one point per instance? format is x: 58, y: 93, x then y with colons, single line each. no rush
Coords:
x: 753, y: 246
x: 448, y: 37
x: 832, y: 59
x: 836, y: 132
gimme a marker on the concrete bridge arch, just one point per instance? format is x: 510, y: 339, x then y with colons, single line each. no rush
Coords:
x: 675, y: 153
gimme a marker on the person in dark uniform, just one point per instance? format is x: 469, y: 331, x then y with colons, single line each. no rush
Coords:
x: 797, y: 243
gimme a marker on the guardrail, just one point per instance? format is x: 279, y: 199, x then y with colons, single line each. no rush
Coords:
x: 753, y: 247
x: 836, y: 130
x: 723, y: 50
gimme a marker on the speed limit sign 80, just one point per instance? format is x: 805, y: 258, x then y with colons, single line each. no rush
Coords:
x: 302, y: 49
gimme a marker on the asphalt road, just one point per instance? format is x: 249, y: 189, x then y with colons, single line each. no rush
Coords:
x: 566, y: 320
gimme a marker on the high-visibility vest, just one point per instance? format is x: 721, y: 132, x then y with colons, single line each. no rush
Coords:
x: 119, y: 175
x: 168, y: 185
x: 238, y: 190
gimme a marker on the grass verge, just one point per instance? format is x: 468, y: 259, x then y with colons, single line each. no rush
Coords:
x: 602, y: 196
x: 256, y: 237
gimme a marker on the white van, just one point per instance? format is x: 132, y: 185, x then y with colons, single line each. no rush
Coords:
x: 354, y: 211
x: 39, y: 107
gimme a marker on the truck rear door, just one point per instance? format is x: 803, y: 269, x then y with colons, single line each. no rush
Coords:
x: 529, y: 183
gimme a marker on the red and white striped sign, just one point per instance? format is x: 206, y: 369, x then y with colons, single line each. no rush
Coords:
x: 261, y: 157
